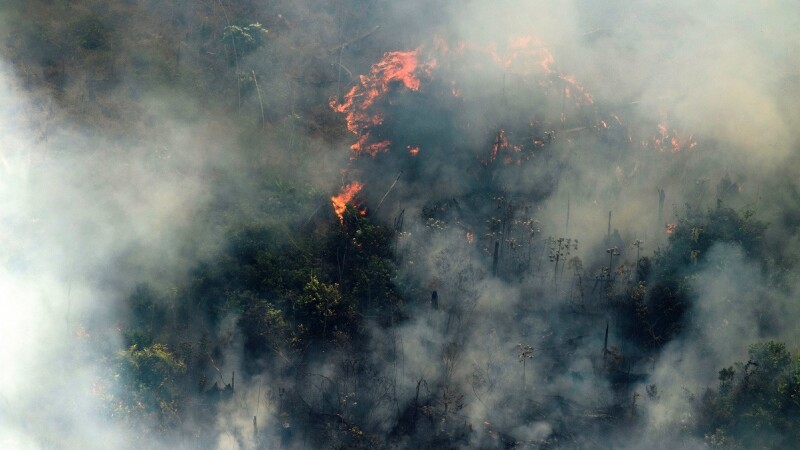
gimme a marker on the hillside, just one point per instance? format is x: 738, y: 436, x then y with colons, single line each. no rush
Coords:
x: 374, y: 224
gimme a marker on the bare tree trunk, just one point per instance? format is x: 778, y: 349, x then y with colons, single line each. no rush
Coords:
x: 495, y: 258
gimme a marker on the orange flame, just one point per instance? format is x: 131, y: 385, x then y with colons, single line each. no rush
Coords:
x: 671, y: 140
x: 500, y: 143
x: 395, y: 67
x: 407, y: 70
x: 345, y: 196
x: 584, y: 96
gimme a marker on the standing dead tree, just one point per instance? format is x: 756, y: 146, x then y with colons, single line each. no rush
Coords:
x: 524, y: 353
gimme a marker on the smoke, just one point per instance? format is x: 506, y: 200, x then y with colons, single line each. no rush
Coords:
x: 515, y: 346
x: 85, y: 216
x: 47, y: 365
x: 718, y: 73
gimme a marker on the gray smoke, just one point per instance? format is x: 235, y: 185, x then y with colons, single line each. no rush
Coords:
x: 86, y: 215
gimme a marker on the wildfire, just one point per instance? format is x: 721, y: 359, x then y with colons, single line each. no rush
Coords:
x: 510, y: 153
x: 500, y: 143
x: 670, y: 140
x: 368, y: 104
x: 407, y: 70
x: 582, y: 96
x: 395, y: 68
x: 345, y: 196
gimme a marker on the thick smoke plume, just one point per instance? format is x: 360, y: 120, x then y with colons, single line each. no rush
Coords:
x: 535, y: 163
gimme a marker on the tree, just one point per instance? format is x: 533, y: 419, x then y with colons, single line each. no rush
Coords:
x: 151, y: 394
x: 359, y: 254
x: 321, y: 310
x: 757, y: 403
x: 654, y: 319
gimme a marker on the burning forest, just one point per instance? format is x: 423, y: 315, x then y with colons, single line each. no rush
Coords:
x: 386, y: 225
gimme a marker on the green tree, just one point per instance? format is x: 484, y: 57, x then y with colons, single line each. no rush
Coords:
x: 757, y: 403
x: 321, y: 310
x: 657, y: 317
x: 151, y: 394
x: 360, y: 256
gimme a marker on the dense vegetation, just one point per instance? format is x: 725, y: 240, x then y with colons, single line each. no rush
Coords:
x: 312, y: 310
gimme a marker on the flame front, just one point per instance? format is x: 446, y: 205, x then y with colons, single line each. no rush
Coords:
x: 396, y: 67
x: 367, y: 107
x: 345, y: 196
x: 525, y: 55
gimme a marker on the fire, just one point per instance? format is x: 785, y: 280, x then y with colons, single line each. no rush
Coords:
x: 500, y: 143
x: 670, y: 140
x: 582, y: 96
x: 345, y: 196
x: 511, y: 153
x: 396, y: 68
x: 408, y: 69
x: 366, y: 106
x: 547, y: 62
x: 662, y: 128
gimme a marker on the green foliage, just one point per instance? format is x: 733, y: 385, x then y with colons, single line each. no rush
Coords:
x: 696, y: 231
x: 291, y: 289
x: 152, y: 366
x: 321, y: 310
x: 264, y: 324
x: 655, y: 318
x: 151, y: 392
x: 360, y: 253
x: 244, y: 39
x: 757, y: 404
